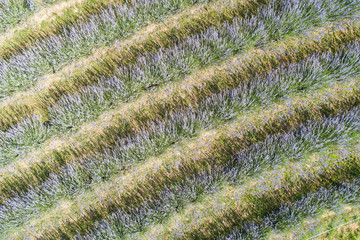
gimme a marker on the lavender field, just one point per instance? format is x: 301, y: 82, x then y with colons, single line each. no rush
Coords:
x: 179, y: 119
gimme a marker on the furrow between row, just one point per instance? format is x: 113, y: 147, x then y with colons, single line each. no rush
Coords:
x: 278, y: 85
x: 48, y: 22
x: 213, y: 148
x: 339, y: 223
x: 305, y: 217
x: 115, y: 23
x: 154, y: 70
x: 232, y: 207
x: 12, y: 13
x: 104, y: 133
x: 105, y: 61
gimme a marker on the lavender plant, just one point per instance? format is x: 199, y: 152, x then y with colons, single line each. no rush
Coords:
x: 28, y: 133
x: 49, y: 55
x: 155, y: 70
x: 311, y: 204
x: 12, y: 12
x: 111, y: 215
x: 341, y: 224
x: 234, y: 206
x: 74, y: 110
x: 266, y: 155
x: 76, y: 178
x: 290, y: 216
x: 116, y: 123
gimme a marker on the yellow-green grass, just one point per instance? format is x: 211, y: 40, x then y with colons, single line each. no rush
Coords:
x: 329, y: 224
x: 103, y: 133
x: 219, y: 213
x: 15, y: 13
x: 343, y: 227
x: 46, y: 14
x: 49, y: 21
x: 24, y: 37
x: 105, y: 61
x: 212, y: 148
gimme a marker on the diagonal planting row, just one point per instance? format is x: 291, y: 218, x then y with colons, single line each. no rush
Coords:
x: 34, y: 12
x: 139, y: 219
x: 336, y: 222
x: 133, y: 150
x: 168, y: 66
x: 305, y: 217
x: 235, y: 205
x: 157, y: 69
x: 86, y: 209
x: 12, y: 12
x: 97, y: 136
x: 56, y: 21
x: 51, y: 54
x: 104, y: 63
x: 51, y: 88
x: 213, y: 148
x: 72, y: 13
x: 48, y: 22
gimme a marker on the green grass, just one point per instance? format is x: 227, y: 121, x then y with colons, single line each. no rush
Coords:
x: 106, y: 130
x: 217, y: 214
x: 217, y: 146
x: 21, y: 40
x: 12, y: 12
x: 170, y: 65
x: 179, y: 119
x: 162, y: 135
x: 104, y: 63
x: 306, y: 217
